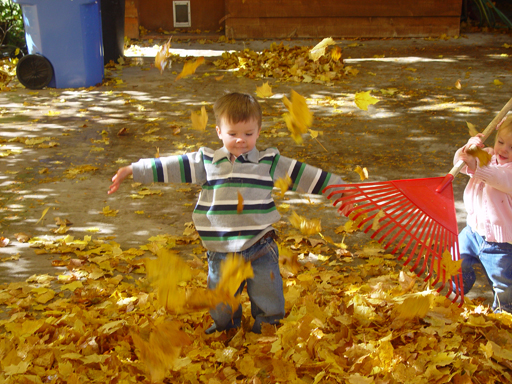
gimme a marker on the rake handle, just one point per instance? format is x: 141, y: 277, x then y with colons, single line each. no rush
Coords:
x: 487, y: 132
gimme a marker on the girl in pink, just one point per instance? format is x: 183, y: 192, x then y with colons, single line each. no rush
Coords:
x: 487, y: 238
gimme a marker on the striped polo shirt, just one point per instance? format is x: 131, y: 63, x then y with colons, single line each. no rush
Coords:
x: 216, y: 218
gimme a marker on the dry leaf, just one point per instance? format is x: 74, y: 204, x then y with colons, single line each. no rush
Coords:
x: 240, y: 205
x: 306, y: 227
x: 319, y: 50
x: 483, y: 156
x: 458, y: 85
x: 200, y: 120
x: 22, y: 237
x: 472, y: 129
x: 190, y: 68
x: 446, y: 267
x: 163, y: 57
x: 299, y: 118
x: 4, y: 241
x: 364, y: 99
x: 416, y: 305
x: 283, y: 184
x: 376, y: 219
x: 362, y: 172
x: 264, y: 91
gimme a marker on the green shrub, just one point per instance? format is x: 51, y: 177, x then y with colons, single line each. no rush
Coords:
x: 11, y: 24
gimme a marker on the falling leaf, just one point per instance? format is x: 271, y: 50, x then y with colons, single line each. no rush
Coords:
x: 163, y: 57
x: 458, y: 85
x: 483, y: 156
x: 497, y: 82
x: 364, y: 99
x: 190, y: 68
x: 264, y: 91
x: 157, y: 154
x: 240, y: 205
x: 162, y: 349
x: 306, y: 227
x: 57, y: 113
x: 44, y: 213
x: 283, y: 184
x: 200, y: 120
x: 319, y: 50
x: 472, y: 129
x: 336, y: 53
x: 299, y: 118
x: 362, y: 172
x: 376, y: 219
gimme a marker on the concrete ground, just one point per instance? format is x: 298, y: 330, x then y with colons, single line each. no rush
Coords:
x: 411, y: 133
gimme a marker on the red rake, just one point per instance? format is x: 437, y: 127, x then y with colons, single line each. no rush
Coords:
x: 413, y: 217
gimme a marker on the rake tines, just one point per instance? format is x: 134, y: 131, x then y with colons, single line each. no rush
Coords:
x: 413, y: 220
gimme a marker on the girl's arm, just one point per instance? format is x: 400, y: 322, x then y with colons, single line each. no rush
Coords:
x: 499, y: 178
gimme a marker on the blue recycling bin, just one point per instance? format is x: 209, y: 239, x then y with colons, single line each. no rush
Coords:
x: 64, y: 42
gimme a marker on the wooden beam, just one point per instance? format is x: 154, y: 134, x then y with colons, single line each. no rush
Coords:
x: 343, y: 8
x: 288, y: 27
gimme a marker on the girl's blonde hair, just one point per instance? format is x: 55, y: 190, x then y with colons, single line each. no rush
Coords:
x: 505, y: 126
x: 237, y: 107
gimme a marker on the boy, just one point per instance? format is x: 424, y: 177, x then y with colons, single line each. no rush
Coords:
x: 237, y: 167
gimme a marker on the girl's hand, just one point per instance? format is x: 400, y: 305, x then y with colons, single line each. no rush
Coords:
x: 476, y: 140
x: 121, y: 174
x: 468, y: 159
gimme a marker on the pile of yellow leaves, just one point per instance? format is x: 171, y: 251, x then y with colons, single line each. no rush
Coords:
x: 285, y: 63
x: 104, y: 321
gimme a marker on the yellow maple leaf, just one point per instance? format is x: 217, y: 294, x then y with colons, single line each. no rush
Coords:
x: 497, y: 82
x: 416, y: 305
x: 283, y: 183
x: 162, y: 57
x: 364, y: 99
x: 306, y: 227
x: 362, y: 172
x: 299, y: 118
x: 109, y: 212
x: 448, y: 267
x: 483, y: 156
x: 264, y: 91
x: 199, y: 120
x: 336, y: 53
x: 319, y: 50
x: 376, y: 219
x: 472, y: 129
x: 190, y: 68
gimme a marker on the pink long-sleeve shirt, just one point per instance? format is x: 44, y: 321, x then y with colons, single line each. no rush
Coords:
x: 488, y: 199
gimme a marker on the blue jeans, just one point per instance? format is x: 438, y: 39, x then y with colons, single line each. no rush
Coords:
x: 496, y: 258
x: 265, y: 289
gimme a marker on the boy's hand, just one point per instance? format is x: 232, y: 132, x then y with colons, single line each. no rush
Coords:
x: 121, y: 174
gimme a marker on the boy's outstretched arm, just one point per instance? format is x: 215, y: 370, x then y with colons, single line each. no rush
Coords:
x: 121, y: 174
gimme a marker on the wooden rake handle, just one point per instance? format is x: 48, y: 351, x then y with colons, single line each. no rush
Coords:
x: 487, y: 132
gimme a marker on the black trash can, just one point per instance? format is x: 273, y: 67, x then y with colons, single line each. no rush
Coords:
x: 112, y: 23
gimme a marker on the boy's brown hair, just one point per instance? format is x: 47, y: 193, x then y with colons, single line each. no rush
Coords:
x: 236, y: 107
x: 505, y: 126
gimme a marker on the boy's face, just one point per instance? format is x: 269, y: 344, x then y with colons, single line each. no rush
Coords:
x: 238, y: 138
x: 503, y: 148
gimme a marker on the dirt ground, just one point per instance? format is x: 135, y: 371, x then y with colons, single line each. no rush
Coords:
x: 411, y: 133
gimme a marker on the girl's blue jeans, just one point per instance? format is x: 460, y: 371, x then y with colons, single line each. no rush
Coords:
x: 496, y: 258
x: 265, y: 289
